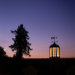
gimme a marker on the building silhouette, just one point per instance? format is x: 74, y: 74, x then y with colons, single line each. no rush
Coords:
x: 54, y: 50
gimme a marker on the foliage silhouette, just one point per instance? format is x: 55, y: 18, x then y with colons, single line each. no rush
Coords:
x: 21, y: 44
x: 2, y: 52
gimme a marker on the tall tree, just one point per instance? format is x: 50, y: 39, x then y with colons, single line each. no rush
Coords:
x: 21, y: 44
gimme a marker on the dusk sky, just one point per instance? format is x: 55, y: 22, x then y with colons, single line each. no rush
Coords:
x: 43, y: 19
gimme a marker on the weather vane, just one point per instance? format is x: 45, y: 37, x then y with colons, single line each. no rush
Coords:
x: 54, y: 38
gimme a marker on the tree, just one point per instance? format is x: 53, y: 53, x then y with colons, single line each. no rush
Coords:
x: 21, y: 44
x: 2, y: 52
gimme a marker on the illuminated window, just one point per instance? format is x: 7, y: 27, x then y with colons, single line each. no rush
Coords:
x: 50, y: 52
x: 54, y: 52
x: 57, y: 52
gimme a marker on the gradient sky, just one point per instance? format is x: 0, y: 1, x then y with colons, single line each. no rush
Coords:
x: 43, y: 19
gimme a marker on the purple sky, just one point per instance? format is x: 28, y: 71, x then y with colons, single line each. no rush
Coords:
x: 43, y: 19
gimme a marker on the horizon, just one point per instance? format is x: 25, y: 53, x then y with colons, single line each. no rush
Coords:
x: 43, y: 19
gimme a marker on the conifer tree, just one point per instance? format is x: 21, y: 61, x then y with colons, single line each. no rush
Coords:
x: 21, y: 44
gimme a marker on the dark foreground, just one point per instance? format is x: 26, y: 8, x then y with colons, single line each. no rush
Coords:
x: 10, y: 66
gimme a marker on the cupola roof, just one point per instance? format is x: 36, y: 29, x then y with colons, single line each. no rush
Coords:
x: 54, y: 45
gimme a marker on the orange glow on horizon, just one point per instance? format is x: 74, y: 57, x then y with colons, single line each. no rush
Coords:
x: 40, y: 54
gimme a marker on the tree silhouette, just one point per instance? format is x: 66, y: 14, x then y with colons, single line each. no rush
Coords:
x: 2, y: 52
x: 21, y: 44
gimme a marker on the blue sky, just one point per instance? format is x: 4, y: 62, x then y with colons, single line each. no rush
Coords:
x: 43, y: 19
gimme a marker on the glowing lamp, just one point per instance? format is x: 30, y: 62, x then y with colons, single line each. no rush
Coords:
x: 54, y: 51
